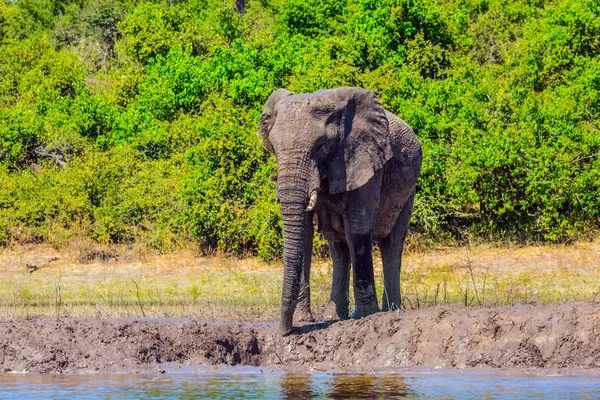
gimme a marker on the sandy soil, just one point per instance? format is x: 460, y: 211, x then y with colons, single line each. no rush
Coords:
x: 566, y: 336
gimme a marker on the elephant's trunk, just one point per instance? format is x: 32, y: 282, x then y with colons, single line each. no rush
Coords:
x: 293, y: 195
x: 293, y: 260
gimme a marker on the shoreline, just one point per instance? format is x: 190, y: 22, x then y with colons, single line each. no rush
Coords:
x: 448, y: 337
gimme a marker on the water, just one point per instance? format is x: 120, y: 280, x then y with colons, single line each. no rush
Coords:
x: 252, y: 383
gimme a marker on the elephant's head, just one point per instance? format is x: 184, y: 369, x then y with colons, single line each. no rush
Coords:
x: 328, y: 141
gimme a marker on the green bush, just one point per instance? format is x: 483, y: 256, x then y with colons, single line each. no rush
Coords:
x: 136, y: 122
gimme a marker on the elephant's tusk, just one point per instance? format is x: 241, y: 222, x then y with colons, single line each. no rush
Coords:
x: 312, y: 202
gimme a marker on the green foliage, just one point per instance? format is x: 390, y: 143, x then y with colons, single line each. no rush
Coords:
x: 231, y: 184
x: 111, y: 197
x: 136, y: 122
x: 310, y: 18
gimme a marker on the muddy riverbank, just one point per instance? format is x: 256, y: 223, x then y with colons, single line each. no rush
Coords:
x: 452, y: 336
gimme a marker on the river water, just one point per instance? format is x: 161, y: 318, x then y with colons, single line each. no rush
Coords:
x: 252, y: 383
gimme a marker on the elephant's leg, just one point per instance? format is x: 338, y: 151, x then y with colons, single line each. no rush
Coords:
x: 303, y: 312
x: 359, y: 217
x: 361, y: 254
x: 391, y: 256
x: 339, y: 300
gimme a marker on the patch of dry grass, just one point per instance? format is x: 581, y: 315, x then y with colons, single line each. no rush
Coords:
x: 487, y: 275
x: 138, y: 284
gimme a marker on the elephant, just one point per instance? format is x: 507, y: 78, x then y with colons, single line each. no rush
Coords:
x: 351, y: 166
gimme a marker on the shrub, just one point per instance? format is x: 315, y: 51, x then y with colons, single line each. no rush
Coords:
x: 136, y: 123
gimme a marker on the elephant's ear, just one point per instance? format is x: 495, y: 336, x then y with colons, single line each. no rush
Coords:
x: 364, y: 147
x: 268, y: 116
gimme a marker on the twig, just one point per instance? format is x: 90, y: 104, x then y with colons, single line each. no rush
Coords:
x: 584, y: 158
x: 496, y: 284
x: 445, y: 293
x: 484, y: 282
x: 418, y: 302
x: 58, y: 300
x: 509, y: 295
x: 240, y: 315
x: 387, y: 298
x: 137, y: 289
x: 56, y: 297
x: 280, y: 360
x: 90, y: 343
x: 469, y: 264
x: 124, y: 305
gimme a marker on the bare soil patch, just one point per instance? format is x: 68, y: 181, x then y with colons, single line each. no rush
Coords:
x: 450, y: 336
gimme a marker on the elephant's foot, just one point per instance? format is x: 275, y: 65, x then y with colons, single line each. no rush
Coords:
x: 361, y: 311
x: 329, y: 314
x: 332, y: 312
x: 303, y: 315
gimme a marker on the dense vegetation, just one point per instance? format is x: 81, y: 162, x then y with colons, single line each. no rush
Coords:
x: 135, y: 122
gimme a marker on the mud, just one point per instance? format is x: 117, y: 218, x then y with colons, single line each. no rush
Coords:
x: 561, y: 337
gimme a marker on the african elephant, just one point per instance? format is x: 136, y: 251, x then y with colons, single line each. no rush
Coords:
x: 352, y: 166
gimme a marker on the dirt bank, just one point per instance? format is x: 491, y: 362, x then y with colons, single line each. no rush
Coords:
x: 565, y: 336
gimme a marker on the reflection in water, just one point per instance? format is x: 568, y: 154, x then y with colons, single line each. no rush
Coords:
x: 343, y: 386
x: 296, y: 387
x: 367, y: 386
x: 251, y: 383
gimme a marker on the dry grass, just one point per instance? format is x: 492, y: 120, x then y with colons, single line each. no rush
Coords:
x: 137, y: 283
x: 487, y: 275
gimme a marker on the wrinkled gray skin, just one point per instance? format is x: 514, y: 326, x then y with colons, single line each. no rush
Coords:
x: 360, y: 163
